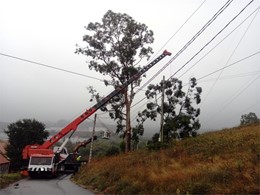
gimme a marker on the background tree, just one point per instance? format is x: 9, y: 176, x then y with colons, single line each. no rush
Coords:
x: 179, y: 114
x: 116, y: 46
x: 249, y: 118
x: 21, y: 133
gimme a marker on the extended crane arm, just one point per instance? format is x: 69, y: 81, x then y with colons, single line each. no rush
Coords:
x: 83, y: 144
x: 74, y: 124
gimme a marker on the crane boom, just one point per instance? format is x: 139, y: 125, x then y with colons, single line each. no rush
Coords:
x: 74, y: 124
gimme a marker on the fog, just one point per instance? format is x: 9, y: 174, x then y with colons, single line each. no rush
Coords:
x: 47, y: 32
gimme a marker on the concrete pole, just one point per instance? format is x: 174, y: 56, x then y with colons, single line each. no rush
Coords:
x: 161, y: 126
x: 92, y: 141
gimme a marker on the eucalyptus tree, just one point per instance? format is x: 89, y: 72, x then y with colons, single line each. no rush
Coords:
x: 180, y: 111
x: 115, y: 47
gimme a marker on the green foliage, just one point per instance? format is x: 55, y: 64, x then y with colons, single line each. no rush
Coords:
x: 136, y: 132
x: 21, y: 133
x: 102, y: 147
x: 179, y: 113
x: 249, y: 118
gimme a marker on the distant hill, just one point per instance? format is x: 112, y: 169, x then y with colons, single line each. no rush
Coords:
x: 3, y: 126
x: 86, y: 126
x: 221, y: 162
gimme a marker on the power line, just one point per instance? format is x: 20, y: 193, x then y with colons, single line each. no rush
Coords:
x: 51, y: 67
x: 240, y: 91
x: 198, y: 51
x: 212, y: 39
x: 189, y: 42
x: 211, y: 50
x: 251, y: 106
x: 214, y: 84
x: 220, y: 42
x: 233, y: 76
x: 232, y: 64
x: 79, y: 74
x: 141, y: 89
x: 180, y: 28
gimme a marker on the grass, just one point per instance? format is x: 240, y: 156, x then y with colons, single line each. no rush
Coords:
x: 222, y: 162
x: 8, y: 178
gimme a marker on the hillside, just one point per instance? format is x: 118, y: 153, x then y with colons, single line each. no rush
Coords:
x: 221, y: 162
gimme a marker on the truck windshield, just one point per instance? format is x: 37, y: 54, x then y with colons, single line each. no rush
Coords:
x: 41, y: 161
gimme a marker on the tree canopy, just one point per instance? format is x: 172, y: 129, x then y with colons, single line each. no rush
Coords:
x: 180, y: 115
x: 249, y: 118
x: 115, y: 47
x: 21, y: 133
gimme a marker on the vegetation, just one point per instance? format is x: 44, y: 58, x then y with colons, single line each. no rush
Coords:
x: 8, y: 178
x: 115, y: 47
x: 104, y: 147
x: 21, y: 133
x: 180, y: 115
x: 249, y: 118
x: 222, y: 162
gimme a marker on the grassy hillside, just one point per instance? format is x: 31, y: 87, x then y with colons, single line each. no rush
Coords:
x: 220, y: 162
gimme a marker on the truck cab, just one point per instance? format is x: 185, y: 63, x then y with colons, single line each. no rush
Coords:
x: 42, y: 165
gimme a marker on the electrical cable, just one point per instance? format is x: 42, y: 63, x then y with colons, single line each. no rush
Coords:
x: 233, y: 76
x: 253, y: 105
x: 189, y: 42
x: 239, y: 92
x: 199, y: 50
x: 102, y: 124
x: 238, y: 113
x: 52, y: 67
x: 212, y: 50
x: 232, y: 64
x: 79, y: 74
x: 193, y: 39
x: 256, y: 10
x: 240, y: 40
x: 63, y: 69
x: 212, y: 39
x: 179, y: 29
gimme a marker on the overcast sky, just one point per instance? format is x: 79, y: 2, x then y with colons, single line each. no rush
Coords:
x: 47, y: 32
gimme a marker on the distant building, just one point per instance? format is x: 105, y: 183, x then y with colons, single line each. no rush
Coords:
x: 4, y: 162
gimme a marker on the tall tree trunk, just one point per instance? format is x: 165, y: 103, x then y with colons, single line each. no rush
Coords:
x: 128, y: 123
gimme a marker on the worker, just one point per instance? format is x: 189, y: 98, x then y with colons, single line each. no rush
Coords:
x: 78, y: 158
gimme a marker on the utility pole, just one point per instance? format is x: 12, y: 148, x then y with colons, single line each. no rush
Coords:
x: 92, y: 141
x: 161, y: 127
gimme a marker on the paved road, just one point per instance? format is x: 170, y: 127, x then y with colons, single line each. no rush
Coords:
x: 58, y: 186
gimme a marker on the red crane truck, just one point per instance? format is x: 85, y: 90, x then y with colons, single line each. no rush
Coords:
x: 46, y: 161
